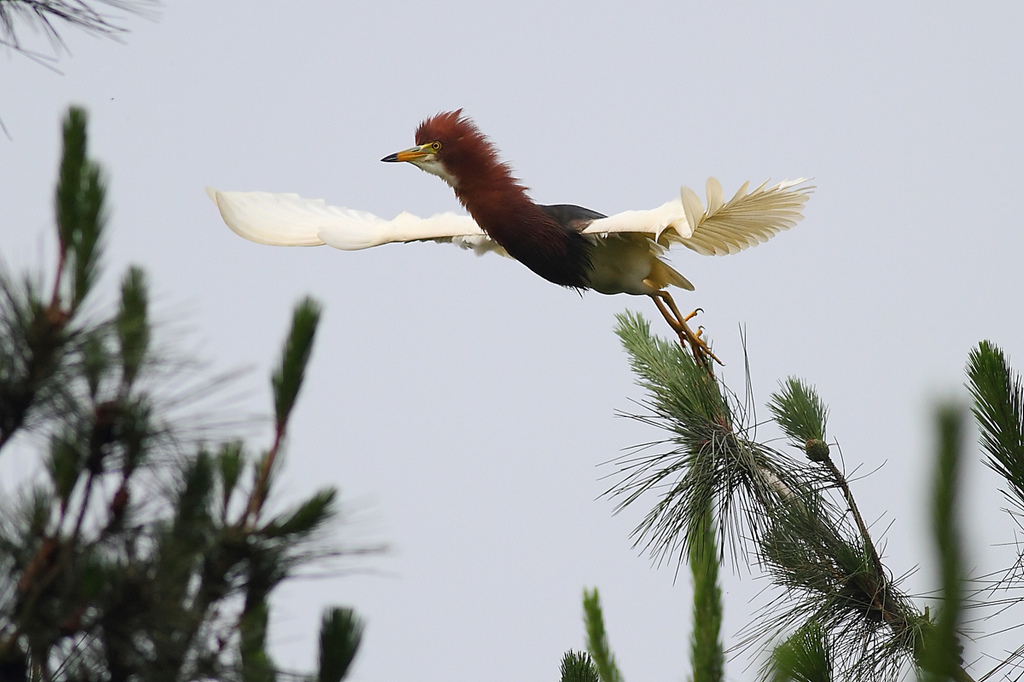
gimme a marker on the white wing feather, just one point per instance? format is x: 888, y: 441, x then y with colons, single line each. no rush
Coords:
x: 290, y: 220
x: 724, y: 227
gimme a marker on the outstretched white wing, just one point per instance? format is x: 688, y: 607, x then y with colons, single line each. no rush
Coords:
x: 290, y: 220
x: 724, y: 227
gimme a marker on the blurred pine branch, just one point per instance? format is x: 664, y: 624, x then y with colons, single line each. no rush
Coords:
x: 51, y: 17
x: 597, y: 638
x: 139, y: 554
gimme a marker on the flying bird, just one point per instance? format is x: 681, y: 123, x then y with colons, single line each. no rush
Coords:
x: 568, y: 245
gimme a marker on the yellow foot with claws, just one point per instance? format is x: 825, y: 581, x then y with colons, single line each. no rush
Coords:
x: 700, y: 349
x: 701, y: 352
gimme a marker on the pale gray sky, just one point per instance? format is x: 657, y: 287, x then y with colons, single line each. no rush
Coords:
x: 462, y: 404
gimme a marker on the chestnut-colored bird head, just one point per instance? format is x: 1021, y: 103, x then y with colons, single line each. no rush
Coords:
x: 449, y: 128
x: 450, y: 146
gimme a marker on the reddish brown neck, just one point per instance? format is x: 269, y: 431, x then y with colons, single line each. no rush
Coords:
x: 501, y: 207
x: 498, y: 203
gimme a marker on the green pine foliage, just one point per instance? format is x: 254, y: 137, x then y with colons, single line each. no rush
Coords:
x: 710, y: 460
x: 998, y: 395
x: 49, y: 17
x: 801, y: 415
x: 839, y: 613
x: 597, y: 638
x: 340, y: 635
x: 577, y: 666
x: 806, y: 656
x: 707, y: 655
x: 287, y: 379
x: 941, y: 655
x: 139, y: 553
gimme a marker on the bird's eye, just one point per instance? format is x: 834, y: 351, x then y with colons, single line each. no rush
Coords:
x: 436, y: 146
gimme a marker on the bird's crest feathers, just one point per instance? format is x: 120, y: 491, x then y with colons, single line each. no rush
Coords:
x: 466, y: 153
x: 445, y: 126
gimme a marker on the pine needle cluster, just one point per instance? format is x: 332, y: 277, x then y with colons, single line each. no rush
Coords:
x: 51, y: 16
x: 839, y: 613
x: 138, y: 553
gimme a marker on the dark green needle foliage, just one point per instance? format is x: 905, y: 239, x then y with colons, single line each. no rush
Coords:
x: 998, y: 406
x: 941, y: 649
x: 132, y: 329
x: 707, y: 461
x: 578, y: 667
x: 801, y: 415
x: 287, y: 379
x: 340, y: 635
x: 138, y: 553
x: 39, y: 327
x: 707, y: 657
x: 839, y: 613
x: 597, y: 638
x: 806, y: 656
x: 51, y: 16
x: 81, y: 213
x: 999, y: 409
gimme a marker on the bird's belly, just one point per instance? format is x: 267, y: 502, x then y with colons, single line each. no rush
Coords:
x: 620, y: 265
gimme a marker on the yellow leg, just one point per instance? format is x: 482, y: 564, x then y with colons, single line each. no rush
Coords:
x: 677, y: 321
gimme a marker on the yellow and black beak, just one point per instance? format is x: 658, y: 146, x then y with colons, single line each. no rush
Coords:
x: 411, y: 155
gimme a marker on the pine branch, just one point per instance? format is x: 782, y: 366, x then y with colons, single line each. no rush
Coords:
x: 50, y: 15
x: 707, y: 656
x: 304, y: 519
x: 38, y: 342
x: 998, y: 394
x: 133, y: 556
x: 796, y: 515
x: 288, y: 378
x: 998, y: 407
x: 709, y: 461
x: 597, y: 638
x: 133, y: 330
x: 81, y: 216
x: 578, y: 667
x: 340, y: 636
x: 806, y: 656
x: 286, y: 382
x: 802, y: 415
x: 941, y: 653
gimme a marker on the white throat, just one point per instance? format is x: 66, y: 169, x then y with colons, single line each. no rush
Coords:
x: 433, y: 165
